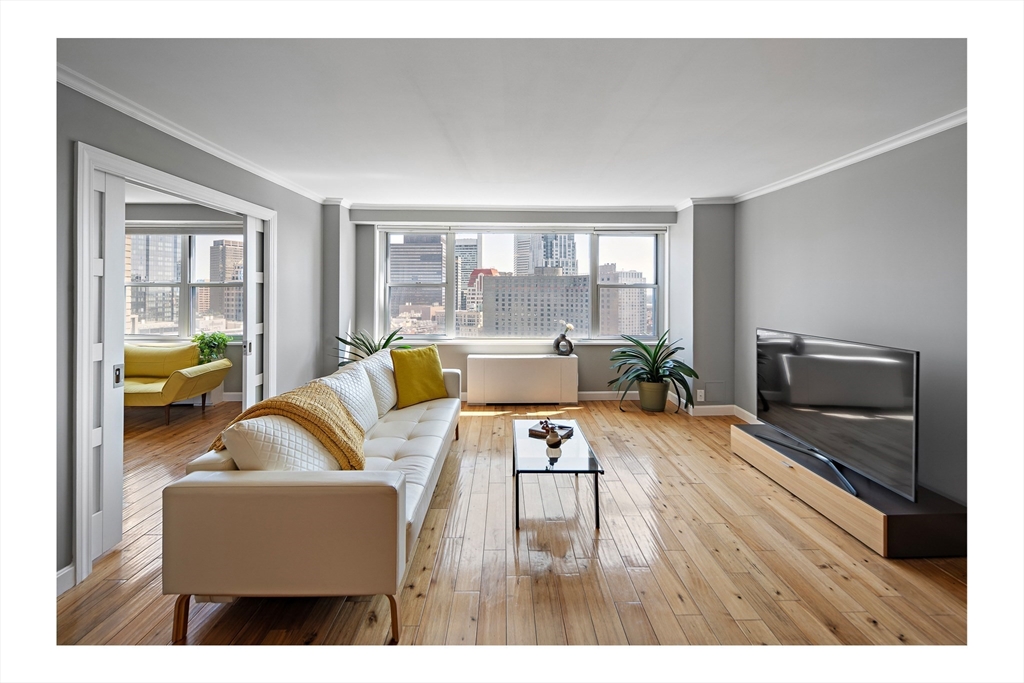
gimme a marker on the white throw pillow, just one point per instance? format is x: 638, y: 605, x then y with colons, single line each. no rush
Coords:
x: 274, y: 442
x: 381, y: 372
x: 352, y: 386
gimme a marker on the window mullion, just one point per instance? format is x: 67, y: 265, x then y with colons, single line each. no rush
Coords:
x: 449, y: 285
x: 595, y: 303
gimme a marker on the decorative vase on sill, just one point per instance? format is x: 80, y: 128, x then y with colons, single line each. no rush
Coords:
x: 563, y: 345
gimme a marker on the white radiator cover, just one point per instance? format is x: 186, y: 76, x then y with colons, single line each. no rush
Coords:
x: 521, y: 378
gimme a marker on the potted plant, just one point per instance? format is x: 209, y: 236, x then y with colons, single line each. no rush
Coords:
x: 362, y: 346
x: 653, y: 368
x: 212, y: 345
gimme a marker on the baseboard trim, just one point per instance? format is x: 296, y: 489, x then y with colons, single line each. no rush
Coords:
x: 606, y: 396
x: 65, y: 579
x: 748, y: 417
x: 233, y: 396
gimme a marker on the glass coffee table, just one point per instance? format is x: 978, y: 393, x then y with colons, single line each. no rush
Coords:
x: 531, y: 455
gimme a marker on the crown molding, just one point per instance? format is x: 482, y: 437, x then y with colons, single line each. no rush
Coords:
x: 485, y: 207
x: 939, y: 125
x: 337, y: 201
x: 104, y: 95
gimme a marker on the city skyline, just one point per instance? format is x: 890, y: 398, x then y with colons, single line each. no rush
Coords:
x: 540, y: 282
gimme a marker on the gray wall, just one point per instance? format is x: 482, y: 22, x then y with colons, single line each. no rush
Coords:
x: 877, y: 253
x: 339, y: 273
x: 714, y: 280
x: 701, y: 292
x: 512, y: 217
x: 176, y: 212
x: 300, y: 345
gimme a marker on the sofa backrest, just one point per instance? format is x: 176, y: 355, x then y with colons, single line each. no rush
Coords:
x: 158, y: 360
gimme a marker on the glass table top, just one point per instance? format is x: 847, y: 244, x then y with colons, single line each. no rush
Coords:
x: 533, y: 455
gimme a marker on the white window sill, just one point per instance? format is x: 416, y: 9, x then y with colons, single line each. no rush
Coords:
x: 470, y: 341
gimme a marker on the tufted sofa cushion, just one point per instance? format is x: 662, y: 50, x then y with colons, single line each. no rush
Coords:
x: 352, y: 386
x: 409, y: 440
x: 273, y: 442
x: 381, y: 372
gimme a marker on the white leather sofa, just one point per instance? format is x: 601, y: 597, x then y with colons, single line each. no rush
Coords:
x: 295, y: 525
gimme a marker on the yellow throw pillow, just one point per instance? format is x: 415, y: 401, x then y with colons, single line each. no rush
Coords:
x: 418, y: 375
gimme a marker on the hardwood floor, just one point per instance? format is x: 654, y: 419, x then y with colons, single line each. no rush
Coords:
x: 695, y: 547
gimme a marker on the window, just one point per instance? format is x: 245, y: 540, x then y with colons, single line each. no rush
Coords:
x: 461, y: 283
x: 177, y: 285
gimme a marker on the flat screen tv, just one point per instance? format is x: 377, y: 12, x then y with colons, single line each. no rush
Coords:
x: 851, y: 403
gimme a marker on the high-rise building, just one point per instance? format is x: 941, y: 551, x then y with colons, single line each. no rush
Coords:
x: 549, y: 250
x: 558, y: 251
x: 623, y: 311
x: 416, y: 259
x: 226, y: 265
x: 533, y: 305
x: 467, y: 259
x: 525, y: 247
x: 152, y: 259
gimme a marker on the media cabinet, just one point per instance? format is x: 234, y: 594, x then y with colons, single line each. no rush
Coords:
x: 892, y: 526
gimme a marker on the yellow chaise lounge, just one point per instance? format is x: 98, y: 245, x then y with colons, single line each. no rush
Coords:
x: 161, y: 374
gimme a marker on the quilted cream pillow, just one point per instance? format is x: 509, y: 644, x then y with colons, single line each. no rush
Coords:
x: 381, y: 372
x: 352, y: 386
x: 273, y: 442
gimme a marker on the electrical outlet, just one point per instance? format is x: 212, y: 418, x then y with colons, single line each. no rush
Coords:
x: 700, y: 394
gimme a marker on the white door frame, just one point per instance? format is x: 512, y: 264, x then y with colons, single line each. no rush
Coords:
x: 89, y: 161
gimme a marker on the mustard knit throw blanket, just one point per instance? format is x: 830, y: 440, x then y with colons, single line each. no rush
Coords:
x: 317, y: 409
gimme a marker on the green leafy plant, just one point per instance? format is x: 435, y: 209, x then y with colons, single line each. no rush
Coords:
x: 212, y: 346
x: 642, y: 363
x: 362, y: 345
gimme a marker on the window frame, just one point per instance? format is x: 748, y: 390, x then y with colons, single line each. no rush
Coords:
x: 185, y: 284
x: 659, y: 287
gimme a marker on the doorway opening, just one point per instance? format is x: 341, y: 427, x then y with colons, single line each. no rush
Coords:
x: 145, y: 273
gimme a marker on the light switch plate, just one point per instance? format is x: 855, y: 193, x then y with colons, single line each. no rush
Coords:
x: 700, y: 394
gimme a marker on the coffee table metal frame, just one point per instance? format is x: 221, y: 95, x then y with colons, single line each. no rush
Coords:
x: 537, y: 462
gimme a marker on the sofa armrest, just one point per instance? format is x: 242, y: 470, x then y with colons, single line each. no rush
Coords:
x: 213, y: 461
x: 453, y: 383
x: 198, y: 379
x: 273, y: 533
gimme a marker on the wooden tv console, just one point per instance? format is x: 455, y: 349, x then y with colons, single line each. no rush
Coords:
x: 892, y: 526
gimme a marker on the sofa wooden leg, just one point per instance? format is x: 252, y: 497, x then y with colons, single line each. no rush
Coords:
x: 180, y: 630
x: 204, y: 402
x: 167, y: 414
x: 456, y: 432
x: 396, y: 621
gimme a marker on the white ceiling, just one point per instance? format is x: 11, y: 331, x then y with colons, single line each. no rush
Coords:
x: 534, y: 122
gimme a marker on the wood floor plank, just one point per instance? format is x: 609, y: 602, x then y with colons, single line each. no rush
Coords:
x: 547, y: 605
x: 417, y: 578
x: 658, y: 611
x: 636, y: 624
x: 758, y: 632
x: 579, y: 625
x: 471, y: 561
x: 619, y: 585
x: 601, y: 604
x: 433, y: 628
x: 522, y: 629
x: 493, y: 611
x: 462, y: 622
x: 697, y: 629
x: 722, y: 623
